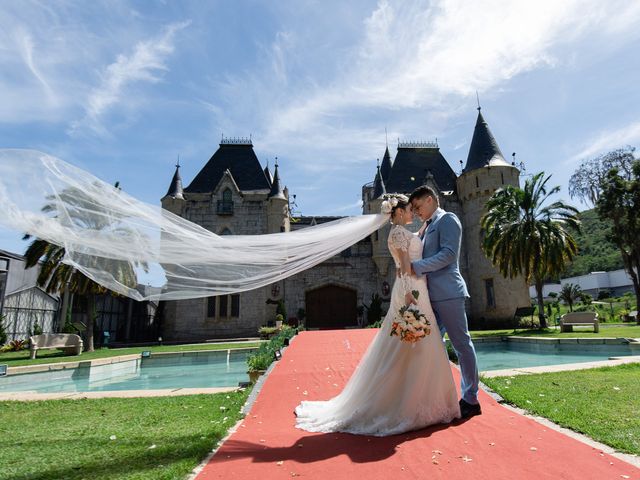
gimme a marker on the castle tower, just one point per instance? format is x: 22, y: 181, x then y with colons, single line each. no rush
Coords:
x: 173, y: 201
x: 380, y: 251
x: 277, y: 207
x: 493, y: 297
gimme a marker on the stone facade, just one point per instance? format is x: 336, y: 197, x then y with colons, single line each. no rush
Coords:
x: 333, y: 294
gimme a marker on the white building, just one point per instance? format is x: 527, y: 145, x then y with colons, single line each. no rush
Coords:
x: 617, y: 282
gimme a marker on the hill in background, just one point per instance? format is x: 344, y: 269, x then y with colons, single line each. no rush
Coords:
x: 596, y: 253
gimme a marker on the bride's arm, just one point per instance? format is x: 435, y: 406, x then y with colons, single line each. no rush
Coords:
x: 405, y: 276
x: 399, y: 240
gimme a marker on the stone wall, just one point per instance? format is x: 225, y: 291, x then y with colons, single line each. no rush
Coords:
x: 475, y: 188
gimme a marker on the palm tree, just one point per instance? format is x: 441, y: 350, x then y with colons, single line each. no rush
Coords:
x: 56, y: 276
x: 569, y: 294
x: 523, y: 237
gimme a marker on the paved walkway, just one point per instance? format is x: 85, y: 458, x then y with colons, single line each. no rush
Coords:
x: 499, y: 444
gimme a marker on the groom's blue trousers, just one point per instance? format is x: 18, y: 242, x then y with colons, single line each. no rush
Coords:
x: 452, y: 319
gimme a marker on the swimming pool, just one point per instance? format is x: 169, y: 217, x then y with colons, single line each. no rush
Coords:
x: 160, y: 371
x: 502, y: 354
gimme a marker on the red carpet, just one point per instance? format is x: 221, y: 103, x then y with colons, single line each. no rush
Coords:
x: 496, y: 445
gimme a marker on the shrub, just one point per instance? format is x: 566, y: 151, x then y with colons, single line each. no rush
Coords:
x: 259, y: 361
x: 266, y: 332
x: 262, y: 358
x: 17, y: 345
x: 36, y: 330
x: 374, y: 309
x: 377, y: 324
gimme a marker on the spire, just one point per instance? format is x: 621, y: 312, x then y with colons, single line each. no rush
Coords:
x: 267, y: 173
x: 276, y: 189
x: 175, y: 189
x: 378, y: 185
x: 385, y: 168
x: 484, y: 150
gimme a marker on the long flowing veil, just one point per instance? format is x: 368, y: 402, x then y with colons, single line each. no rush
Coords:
x: 106, y: 232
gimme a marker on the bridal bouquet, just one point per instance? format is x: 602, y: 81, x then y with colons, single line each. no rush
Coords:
x: 410, y: 324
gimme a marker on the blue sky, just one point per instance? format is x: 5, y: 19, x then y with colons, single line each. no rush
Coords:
x: 122, y: 88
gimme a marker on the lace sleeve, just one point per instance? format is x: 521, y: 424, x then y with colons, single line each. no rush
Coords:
x: 399, y: 238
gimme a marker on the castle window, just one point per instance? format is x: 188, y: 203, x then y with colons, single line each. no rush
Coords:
x: 211, y: 307
x: 225, y: 206
x: 491, y: 298
x: 224, y: 304
x: 502, y: 177
x: 226, y: 231
x: 235, y: 305
x: 477, y: 183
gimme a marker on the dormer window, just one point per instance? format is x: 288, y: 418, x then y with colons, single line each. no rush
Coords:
x: 225, y: 206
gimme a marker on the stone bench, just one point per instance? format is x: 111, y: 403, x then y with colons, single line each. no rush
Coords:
x: 576, y: 319
x: 70, y: 343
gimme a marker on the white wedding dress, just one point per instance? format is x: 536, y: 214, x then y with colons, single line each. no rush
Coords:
x: 397, y: 387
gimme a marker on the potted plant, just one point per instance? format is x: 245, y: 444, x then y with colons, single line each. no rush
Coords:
x: 258, y: 363
x: 267, y: 332
x: 279, y: 319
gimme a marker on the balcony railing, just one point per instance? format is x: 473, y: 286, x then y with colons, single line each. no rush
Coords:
x: 225, y: 208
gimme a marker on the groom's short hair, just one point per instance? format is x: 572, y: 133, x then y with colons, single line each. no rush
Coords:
x: 424, y: 191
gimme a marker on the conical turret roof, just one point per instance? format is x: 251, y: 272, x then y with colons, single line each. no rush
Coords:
x: 276, y: 188
x: 378, y: 185
x: 484, y: 150
x: 175, y: 188
x: 267, y: 173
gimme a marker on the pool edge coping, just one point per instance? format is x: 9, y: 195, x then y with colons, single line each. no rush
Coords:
x: 611, y: 362
x: 168, y: 392
x: 48, y: 367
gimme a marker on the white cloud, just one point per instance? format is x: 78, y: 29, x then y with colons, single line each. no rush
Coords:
x: 608, y: 140
x: 413, y: 57
x: 26, y: 49
x: 144, y: 64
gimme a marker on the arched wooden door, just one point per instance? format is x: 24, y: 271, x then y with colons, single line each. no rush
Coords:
x: 331, y: 307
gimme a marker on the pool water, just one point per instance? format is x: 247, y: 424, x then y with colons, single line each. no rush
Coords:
x: 507, y: 355
x: 197, y: 370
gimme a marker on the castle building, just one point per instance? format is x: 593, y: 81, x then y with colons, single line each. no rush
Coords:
x: 234, y: 195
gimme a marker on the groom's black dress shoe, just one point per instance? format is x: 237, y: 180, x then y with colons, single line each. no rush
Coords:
x: 468, y: 409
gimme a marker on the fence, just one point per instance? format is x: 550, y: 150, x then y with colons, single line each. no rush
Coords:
x: 19, y: 322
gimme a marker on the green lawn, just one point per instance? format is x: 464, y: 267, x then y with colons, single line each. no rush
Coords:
x: 111, y: 438
x: 15, y: 359
x: 601, y: 403
x: 606, y: 330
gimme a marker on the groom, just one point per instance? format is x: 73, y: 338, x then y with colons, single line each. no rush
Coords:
x: 447, y: 290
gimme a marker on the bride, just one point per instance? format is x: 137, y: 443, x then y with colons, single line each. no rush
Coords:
x: 398, y: 386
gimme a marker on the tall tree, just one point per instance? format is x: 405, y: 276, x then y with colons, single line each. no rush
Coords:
x: 569, y: 294
x: 56, y: 276
x: 586, y: 181
x: 620, y: 202
x: 523, y: 236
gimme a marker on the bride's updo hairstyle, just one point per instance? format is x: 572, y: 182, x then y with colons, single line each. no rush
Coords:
x: 392, y: 202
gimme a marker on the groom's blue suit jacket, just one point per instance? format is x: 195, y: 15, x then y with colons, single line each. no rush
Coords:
x: 440, y: 258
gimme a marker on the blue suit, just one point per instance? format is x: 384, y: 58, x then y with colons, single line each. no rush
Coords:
x: 448, y: 291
